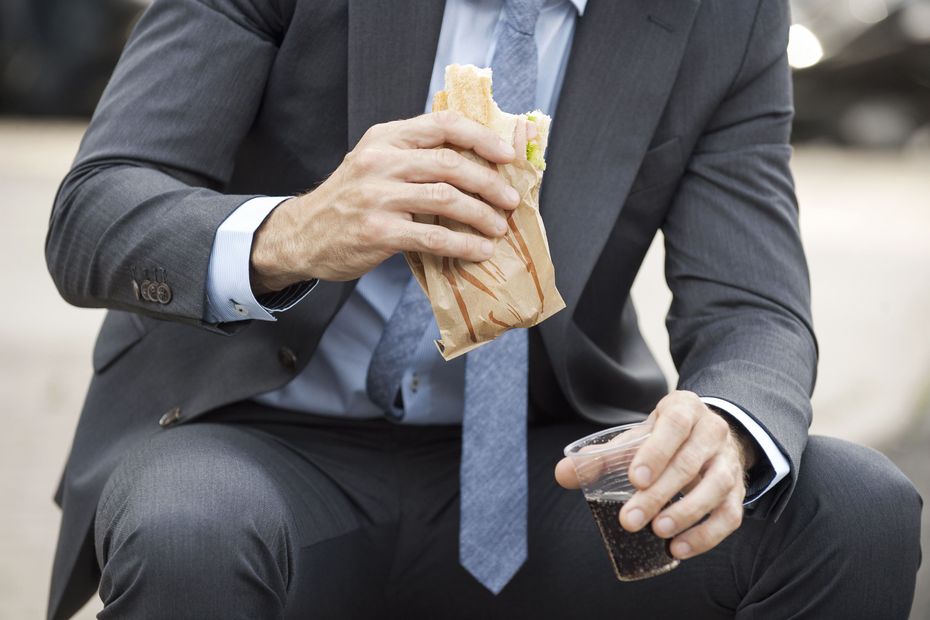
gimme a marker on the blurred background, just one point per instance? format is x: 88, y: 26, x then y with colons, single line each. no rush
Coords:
x: 862, y: 166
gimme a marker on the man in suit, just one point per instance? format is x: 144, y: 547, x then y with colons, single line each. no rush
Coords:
x: 269, y: 431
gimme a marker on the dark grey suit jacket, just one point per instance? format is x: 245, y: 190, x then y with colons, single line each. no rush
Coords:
x: 674, y: 114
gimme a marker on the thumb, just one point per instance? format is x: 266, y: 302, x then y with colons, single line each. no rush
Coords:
x: 565, y: 474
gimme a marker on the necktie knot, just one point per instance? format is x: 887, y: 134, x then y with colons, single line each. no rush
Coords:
x: 515, y: 59
x: 522, y: 15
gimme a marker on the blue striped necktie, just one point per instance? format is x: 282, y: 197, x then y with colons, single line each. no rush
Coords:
x: 492, y: 533
x: 493, y: 525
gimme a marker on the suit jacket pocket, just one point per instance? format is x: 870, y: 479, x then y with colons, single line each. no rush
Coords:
x: 119, y: 332
x: 661, y: 164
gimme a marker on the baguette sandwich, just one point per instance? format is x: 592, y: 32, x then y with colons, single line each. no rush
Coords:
x: 475, y: 302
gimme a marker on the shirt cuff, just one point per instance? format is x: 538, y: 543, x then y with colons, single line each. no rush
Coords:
x: 778, y: 464
x: 229, y: 287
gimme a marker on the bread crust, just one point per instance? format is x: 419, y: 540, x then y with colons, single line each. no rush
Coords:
x: 469, y: 92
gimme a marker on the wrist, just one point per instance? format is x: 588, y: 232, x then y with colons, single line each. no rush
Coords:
x: 745, y: 444
x: 747, y: 447
x: 271, y: 264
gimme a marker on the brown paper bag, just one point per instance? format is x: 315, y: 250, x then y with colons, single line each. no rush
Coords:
x: 476, y: 302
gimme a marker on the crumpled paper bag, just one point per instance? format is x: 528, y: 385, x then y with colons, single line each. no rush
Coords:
x: 475, y: 303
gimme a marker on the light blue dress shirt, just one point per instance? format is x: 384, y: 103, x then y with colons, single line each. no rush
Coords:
x: 333, y: 382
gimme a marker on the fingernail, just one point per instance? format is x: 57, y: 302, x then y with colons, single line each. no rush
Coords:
x: 512, y: 196
x: 681, y: 549
x: 501, y: 225
x: 635, y: 517
x: 507, y: 149
x: 487, y: 247
x: 665, y: 526
x: 643, y: 475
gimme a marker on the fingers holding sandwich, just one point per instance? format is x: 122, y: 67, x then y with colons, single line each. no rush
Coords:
x: 418, y: 237
x: 447, y: 165
x: 447, y: 127
x: 447, y: 201
x: 363, y: 213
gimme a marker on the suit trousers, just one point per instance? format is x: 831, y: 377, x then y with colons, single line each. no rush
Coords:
x: 253, y: 512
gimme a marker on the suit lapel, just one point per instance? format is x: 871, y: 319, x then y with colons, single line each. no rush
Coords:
x: 624, y: 60
x: 392, y: 45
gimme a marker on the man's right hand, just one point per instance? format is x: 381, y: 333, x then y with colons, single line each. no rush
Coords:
x: 363, y: 213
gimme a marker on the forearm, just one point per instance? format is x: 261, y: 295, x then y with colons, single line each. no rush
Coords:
x: 144, y: 197
x: 763, y: 365
x: 740, y: 323
x: 113, y: 224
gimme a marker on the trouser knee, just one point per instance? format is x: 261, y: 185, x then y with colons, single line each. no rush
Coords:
x: 865, y: 493
x: 190, y: 517
x: 862, y: 516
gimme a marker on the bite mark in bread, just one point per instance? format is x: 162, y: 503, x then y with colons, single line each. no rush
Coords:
x: 468, y: 92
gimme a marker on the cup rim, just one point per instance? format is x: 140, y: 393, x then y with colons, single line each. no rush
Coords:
x: 567, y: 451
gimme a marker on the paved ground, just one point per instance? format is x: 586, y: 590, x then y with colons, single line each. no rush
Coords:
x: 864, y: 220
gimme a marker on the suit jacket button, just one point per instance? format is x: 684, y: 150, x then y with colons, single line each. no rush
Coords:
x: 135, y: 290
x: 163, y: 293
x: 153, y: 291
x: 170, y: 417
x: 144, y: 290
x: 287, y: 358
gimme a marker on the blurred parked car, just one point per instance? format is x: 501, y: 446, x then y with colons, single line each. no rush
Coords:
x: 862, y: 67
x: 57, y: 55
x: 862, y: 71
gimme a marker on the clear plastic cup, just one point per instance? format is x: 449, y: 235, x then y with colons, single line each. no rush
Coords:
x: 601, y: 461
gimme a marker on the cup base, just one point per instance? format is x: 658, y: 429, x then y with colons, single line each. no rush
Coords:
x: 634, y: 555
x: 651, y: 573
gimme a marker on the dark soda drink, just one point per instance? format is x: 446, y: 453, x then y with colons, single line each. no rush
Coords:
x: 634, y: 555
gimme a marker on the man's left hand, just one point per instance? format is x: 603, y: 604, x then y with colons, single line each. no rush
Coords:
x: 691, y: 450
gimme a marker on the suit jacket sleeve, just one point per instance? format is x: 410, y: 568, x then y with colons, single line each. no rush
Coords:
x: 740, y: 324
x: 144, y: 196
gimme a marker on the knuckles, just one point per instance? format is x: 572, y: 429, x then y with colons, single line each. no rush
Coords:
x: 368, y: 198
x: 725, y: 480
x: 442, y: 194
x: 445, y: 119
x: 374, y: 133
x: 659, y: 453
x: 447, y: 158
x: 701, y: 540
x: 435, y: 239
x: 493, y: 178
x: 718, y: 425
x: 685, y: 396
x: 679, y: 417
x: 372, y: 229
x: 363, y: 161
x: 464, y: 247
x: 688, y: 463
x: 651, y: 503
x: 732, y: 515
